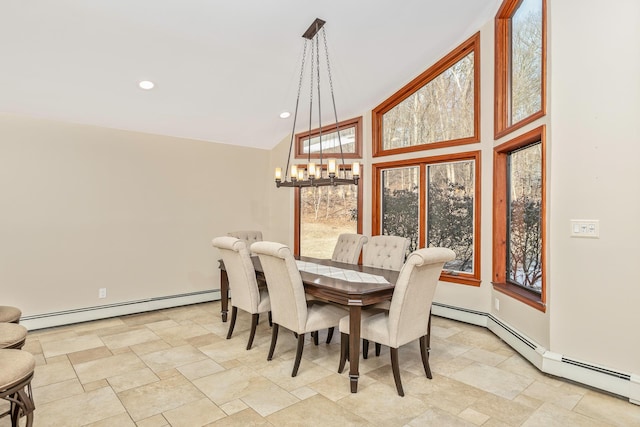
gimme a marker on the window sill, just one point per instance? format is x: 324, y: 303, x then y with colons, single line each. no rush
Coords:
x: 531, y: 299
x: 462, y: 280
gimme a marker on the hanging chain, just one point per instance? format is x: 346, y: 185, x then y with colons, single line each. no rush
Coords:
x: 295, y: 115
x: 333, y: 99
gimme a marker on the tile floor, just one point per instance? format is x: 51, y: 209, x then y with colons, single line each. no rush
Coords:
x: 174, y: 367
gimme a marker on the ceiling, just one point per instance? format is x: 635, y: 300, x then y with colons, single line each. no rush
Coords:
x: 224, y: 70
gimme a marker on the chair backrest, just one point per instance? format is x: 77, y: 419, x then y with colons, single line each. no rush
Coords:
x: 413, y: 294
x: 385, y: 252
x: 348, y: 248
x: 242, y: 276
x: 286, y: 291
x: 249, y: 237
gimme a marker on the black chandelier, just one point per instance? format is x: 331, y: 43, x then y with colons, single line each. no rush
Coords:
x: 311, y: 174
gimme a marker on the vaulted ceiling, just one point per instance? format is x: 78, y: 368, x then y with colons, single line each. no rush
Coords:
x: 223, y: 70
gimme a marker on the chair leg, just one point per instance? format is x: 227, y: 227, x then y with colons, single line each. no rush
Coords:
x: 255, y: 317
x: 344, y: 351
x: 315, y: 335
x: 365, y: 349
x: 296, y: 364
x: 329, y: 335
x: 378, y: 346
x: 232, y: 323
x: 424, y: 351
x: 270, y: 319
x: 396, y: 370
x: 274, y: 338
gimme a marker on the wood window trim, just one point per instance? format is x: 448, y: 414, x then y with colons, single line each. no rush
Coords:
x: 500, y: 199
x: 502, y: 120
x: 470, y: 45
x: 355, y: 122
x: 459, y: 278
x: 296, y: 209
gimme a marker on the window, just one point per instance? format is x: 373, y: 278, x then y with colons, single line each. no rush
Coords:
x: 439, y: 108
x: 519, y: 218
x: 322, y: 214
x: 348, y: 134
x: 433, y: 201
x: 520, y: 64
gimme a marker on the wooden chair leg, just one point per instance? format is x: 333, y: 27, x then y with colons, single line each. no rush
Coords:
x: 315, y: 335
x: 296, y: 364
x: 274, y: 338
x: 255, y: 317
x: 424, y: 351
x: 270, y: 319
x: 344, y: 351
x: 365, y: 349
x: 232, y: 323
x: 378, y: 346
x: 396, y: 370
x: 329, y: 335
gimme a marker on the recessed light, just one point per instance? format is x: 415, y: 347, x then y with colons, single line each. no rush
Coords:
x: 285, y: 114
x: 146, y: 84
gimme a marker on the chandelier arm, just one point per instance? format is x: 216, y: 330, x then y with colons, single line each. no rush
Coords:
x: 319, y: 98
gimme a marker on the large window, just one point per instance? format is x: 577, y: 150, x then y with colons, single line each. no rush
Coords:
x: 435, y: 203
x: 520, y: 64
x: 519, y: 218
x: 439, y: 108
x: 341, y: 140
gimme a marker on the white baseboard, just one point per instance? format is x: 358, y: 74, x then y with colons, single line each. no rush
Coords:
x: 48, y: 320
x: 600, y: 377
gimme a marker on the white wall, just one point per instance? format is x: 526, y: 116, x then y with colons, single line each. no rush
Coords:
x: 595, y: 148
x: 84, y: 207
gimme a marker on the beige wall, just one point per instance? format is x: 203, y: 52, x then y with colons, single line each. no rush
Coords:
x: 595, y: 147
x: 85, y: 207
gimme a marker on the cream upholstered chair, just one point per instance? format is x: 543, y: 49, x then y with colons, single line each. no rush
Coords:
x: 12, y: 335
x: 348, y: 248
x: 385, y: 252
x: 9, y: 314
x: 16, y: 372
x: 249, y: 237
x: 245, y: 293
x: 409, y: 314
x: 289, y: 308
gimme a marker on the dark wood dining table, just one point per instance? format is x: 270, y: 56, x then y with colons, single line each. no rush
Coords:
x: 354, y: 295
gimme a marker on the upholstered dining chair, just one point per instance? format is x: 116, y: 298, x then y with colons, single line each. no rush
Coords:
x: 9, y: 314
x: 289, y: 307
x: 16, y: 372
x: 12, y: 335
x: 409, y: 313
x: 348, y: 248
x: 386, y: 252
x: 249, y: 237
x: 245, y: 293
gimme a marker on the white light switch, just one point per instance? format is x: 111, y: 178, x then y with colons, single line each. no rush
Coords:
x: 585, y: 228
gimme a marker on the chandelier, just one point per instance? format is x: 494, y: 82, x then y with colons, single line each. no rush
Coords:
x: 312, y: 174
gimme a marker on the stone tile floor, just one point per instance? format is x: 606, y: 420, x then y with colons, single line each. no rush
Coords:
x: 174, y: 367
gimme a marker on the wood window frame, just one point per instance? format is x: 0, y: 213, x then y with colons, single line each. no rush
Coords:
x: 470, y: 45
x: 345, y: 124
x: 502, y: 116
x: 422, y: 163
x: 500, y: 209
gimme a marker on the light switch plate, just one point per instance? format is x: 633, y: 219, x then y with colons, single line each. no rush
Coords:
x: 589, y: 228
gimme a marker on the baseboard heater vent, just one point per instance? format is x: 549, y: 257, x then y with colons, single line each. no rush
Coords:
x: 114, y: 305
x: 513, y: 332
x: 620, y: 375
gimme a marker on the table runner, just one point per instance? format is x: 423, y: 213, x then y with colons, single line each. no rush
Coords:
x: 339, y: 273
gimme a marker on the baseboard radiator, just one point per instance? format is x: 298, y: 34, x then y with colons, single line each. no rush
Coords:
x: 600, y: 377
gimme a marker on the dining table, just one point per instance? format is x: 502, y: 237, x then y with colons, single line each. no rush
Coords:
x: 352, y: 286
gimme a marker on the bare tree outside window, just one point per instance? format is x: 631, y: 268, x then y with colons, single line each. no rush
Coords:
x: 526, y: 60
x: 524, y: 262
x: 441, y: 110
x: 401, y: 204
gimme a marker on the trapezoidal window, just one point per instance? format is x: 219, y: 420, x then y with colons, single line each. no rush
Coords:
x: 439, y: 108
x: 520, y: 64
